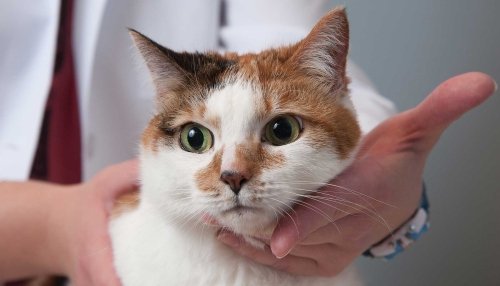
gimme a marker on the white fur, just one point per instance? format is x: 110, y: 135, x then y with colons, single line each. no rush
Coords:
x: 163, y: 241
x: 235, y: 106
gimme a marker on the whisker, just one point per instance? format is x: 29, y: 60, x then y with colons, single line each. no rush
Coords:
x: 372, y: 213
x: 340, y: 187
x: 311, y: 207
x: 290, y: 216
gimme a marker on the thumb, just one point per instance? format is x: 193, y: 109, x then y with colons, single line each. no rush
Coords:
x: 450, y: 100
x: 306, y: 218
x: 419, y: 128
x: 118, y: 179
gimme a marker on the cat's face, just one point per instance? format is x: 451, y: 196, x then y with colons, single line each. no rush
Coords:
x: 243, y: 138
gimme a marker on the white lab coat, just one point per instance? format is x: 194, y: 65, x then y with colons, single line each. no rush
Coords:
x: 115, y: 94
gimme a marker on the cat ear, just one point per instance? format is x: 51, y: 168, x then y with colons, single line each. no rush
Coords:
x: 172, y: 71
x: 323, y: 53
x: 166, y: 73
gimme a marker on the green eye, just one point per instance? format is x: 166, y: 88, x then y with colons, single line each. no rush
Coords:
x: 196, y: 138
x: 282, y: 130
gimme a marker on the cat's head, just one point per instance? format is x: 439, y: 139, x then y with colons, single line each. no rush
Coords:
x: 243, y: 137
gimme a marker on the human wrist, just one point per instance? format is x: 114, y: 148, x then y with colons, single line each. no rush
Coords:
x: 60, y: 253
x: 403, y: 236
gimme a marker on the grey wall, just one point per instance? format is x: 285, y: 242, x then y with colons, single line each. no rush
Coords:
x: 407, y: 47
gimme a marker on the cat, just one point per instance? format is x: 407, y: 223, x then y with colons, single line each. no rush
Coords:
x: 238, y: 138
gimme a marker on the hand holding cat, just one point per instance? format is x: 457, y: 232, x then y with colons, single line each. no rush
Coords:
x: 90, y: 250
x: 374, y: 196
x: 62, y: 229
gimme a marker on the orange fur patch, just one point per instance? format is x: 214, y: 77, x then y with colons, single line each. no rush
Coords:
x: 125, y: 203
x: 208, y: 179
x: 152, y: 134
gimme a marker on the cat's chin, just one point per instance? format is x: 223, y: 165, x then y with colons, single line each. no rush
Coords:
x: 248, y: 221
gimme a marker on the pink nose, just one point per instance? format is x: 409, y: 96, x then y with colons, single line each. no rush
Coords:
x: 235, y: 180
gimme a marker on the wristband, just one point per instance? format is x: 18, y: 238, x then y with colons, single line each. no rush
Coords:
x: 405, y: 235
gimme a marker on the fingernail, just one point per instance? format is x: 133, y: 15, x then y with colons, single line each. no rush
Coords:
x: 229, y: 239
x: 281, y: 256
x: 496, y: 85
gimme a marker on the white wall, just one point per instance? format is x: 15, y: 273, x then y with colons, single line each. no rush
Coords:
x: 407, y: 47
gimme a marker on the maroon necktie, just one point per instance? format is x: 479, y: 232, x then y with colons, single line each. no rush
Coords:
x: 58, y: 157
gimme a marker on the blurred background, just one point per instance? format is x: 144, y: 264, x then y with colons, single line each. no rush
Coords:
x: 407, y: 48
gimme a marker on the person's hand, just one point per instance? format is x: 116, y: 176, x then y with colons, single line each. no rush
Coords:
x: 88, y: 253
x: 374, y: 196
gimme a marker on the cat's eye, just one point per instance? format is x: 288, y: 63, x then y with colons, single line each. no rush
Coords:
x: 282, y: 130
x: 196, y: 138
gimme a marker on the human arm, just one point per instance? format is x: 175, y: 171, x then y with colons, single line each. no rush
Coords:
x: 53, y: 229
x: 26, y: 241
x: 387, y: 173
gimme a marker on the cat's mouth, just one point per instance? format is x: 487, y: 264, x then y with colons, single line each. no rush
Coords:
x: 238, y: 208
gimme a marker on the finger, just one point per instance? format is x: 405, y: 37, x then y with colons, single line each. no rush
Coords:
x: 449, y: 101
x: 290, y: 264
x: 100, y: 256
x: 353, y: 233
x: 453, y: 98
x: 102, y: 269
x: 103, y: 272
x: 336, y: 233
x: 306, y: 218
x: 93, y: 264
x: 418, y: 129
x: 118, y: 179
x: 331, y: 257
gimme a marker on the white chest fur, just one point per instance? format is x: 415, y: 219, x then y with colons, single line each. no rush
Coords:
x: 149, y: 251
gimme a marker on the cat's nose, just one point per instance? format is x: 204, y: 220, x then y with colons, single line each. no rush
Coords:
x: 235, y: 180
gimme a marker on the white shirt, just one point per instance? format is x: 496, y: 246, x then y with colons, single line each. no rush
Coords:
x: 115, y: 94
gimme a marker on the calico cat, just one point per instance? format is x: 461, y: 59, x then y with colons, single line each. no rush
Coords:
x: 238, y: 138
